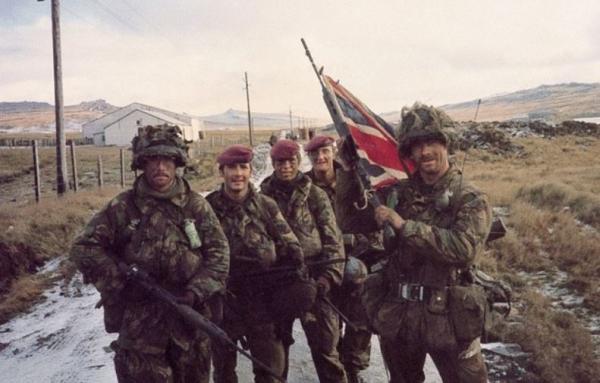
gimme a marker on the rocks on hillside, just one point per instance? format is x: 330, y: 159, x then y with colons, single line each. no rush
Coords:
x: 497, y: 137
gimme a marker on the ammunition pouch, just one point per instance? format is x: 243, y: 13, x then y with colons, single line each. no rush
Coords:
x: 469, y: 311
x: 293, y: 298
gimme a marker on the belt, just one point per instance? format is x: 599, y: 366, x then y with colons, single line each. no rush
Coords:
x: 414, y: 292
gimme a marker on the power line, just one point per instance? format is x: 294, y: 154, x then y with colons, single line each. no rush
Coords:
x: 129, y: 22
x: 148, y: 22
x: 116, y: 16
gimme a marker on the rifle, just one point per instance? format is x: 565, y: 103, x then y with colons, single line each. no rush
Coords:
x: 188, y: 314
x: 343, y: 131
x: 339, y: 312
x: 287, y: 269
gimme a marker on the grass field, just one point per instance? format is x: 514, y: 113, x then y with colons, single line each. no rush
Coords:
x: 550, y: 196
x: 16, y: 164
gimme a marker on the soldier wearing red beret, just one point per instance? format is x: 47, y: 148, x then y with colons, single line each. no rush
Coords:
x: 309, y: 212
x: 259, y: 239
x: 355, y: 342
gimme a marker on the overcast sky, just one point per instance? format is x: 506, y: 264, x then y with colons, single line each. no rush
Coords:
x: 191, y: 55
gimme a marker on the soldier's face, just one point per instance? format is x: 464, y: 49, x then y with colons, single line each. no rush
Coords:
x: 286, y: 170
x: 159, y: 172
x: 322, y: 158
x: 236, y: 178
x: 431, y: 158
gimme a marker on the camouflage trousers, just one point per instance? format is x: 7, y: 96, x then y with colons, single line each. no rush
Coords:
x: 250, y: 323
x: 174, y: 365
x: 405, y: 362
x: 355, y: 343
x: 322, y: 329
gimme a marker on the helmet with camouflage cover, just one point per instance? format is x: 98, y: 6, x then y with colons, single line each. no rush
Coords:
x: 421, y: 122
x: 160, y: 140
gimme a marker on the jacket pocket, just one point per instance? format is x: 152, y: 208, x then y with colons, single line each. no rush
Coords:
x: 385, y: 313
x: 468, y: 306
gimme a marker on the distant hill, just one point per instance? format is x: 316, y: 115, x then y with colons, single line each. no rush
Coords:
x: 551, y: 103
x: 23, y: 106
x: 28, y: 116
x: 239, y: 118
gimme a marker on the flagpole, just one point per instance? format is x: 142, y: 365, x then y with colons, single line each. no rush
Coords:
x: 340, y: 125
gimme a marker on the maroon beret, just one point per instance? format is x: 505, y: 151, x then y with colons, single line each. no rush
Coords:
x: 284, y: 150
x: 318, y: 142
x: 235, y: 154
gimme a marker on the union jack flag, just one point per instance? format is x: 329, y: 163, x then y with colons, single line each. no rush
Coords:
x: 374, y: 138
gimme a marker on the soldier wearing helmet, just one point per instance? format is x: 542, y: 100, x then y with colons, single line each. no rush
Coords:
x: 361, y: 249
x: 171, y: 233
x: 423, y: 302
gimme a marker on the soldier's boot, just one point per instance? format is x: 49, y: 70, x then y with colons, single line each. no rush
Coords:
x: 355, y: 376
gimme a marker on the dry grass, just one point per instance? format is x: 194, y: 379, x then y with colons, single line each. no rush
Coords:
x: 549, y: 192
x: 34, y: 234
x: 561, y: 350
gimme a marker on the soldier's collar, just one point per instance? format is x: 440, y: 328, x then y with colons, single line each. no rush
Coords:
x: 177, y: 193
x: 441, y: 184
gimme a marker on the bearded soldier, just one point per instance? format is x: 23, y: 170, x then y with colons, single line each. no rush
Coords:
x: 171, y: 233
x: 424, y: 301
x: 260, y: 239
x: 355, y: 342
x: 309, y: 213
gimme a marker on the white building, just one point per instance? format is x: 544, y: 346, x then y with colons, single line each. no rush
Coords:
x: 119, y: 127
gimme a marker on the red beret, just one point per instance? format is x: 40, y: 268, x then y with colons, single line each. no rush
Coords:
x: 235, y: 154
x: 318, y: 142
x: 284, y: 150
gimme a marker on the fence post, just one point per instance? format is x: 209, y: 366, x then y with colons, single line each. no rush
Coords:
x: 122, y: 156
x: 74, y: 167
x: 36, y: 171
x: 100, y: 172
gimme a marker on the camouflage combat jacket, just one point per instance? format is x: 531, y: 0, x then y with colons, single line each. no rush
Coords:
x: 309, y: 213
x: 258, y: 235
x: 143, y: 228
x: 446, y: 227
x: 365, y: 246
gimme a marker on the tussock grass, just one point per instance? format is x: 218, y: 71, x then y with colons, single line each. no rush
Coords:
x: 558, y: 196
x: 561, y: 349
x: 34, y: 234
x: 544, y: 235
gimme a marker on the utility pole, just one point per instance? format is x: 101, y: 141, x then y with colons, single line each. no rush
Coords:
x: 291, y: 128
x: 477, y: 110
x: 249, y: 115
x: 61, y: 143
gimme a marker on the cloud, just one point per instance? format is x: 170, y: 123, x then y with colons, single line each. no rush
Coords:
x: 191, y: 55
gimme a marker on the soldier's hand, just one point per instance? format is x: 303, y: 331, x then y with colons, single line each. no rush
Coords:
x: 384, y: 214
x: 323, y: 286
x: 188, y: 298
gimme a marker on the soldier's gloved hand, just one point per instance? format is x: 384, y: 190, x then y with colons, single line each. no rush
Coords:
x: 323, y: 286
x: 188, y: 298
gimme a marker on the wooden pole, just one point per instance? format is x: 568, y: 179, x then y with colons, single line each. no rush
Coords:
x: 61, y: 160
x: 122, y: 155
x: 477, y: 110
x: 100, y: 172
x: 74, y: 167
x: 36, y: 171
x: 249, y: 114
